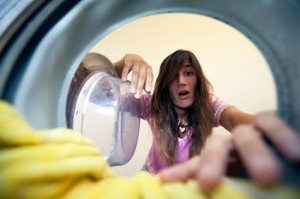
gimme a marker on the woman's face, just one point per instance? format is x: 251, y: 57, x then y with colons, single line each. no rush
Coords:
x: 182, y: 87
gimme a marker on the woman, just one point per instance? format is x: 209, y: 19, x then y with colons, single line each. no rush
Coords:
x: 182, y: 111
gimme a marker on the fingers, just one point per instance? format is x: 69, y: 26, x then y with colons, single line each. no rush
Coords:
x: 135, y: 77
x: 286, y: 140
x: 142, y: 78
x: 180, y: 172
x: 213, y: 161
x: 149, y: 80
x: 142, y: 75
x: 258, y: 160
x: 207, y: 169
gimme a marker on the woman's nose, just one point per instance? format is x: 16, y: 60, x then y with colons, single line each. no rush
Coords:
x: 181, y: 80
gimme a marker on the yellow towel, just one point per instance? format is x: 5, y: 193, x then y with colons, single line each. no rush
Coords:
x: 60, y: 163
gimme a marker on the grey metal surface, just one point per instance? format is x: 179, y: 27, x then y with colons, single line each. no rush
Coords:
x: 23, y: 23
x: 13, y: 14
x: 45, y: 63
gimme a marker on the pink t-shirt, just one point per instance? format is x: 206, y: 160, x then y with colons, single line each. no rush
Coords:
x: 154, y: 160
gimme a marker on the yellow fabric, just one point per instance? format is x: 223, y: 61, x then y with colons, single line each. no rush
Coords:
x: 60, y: 163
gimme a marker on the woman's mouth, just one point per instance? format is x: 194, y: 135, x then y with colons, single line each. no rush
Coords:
x: 183, y: 94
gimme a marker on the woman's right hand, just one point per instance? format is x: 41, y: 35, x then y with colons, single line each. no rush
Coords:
x: 255, y: 154
x: 142, y: 75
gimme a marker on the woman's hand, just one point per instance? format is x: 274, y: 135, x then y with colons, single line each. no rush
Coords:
x: 142, y: 75
x: 254, y: 155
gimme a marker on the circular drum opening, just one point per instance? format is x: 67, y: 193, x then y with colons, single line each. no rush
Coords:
x: 238, y: 71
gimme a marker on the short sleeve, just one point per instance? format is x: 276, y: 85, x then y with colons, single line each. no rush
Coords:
x: 145, y: 102
x: 218, y: 106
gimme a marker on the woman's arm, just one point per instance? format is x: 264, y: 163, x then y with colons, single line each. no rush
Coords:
x: 232, y: 117
x: 142, y: 75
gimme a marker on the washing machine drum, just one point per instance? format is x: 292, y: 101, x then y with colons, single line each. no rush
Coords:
x: 42, y: 43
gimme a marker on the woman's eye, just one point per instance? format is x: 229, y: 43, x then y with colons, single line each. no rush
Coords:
x: 189, y: 73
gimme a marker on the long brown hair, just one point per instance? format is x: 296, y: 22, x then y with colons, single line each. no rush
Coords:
x: 200, y: 114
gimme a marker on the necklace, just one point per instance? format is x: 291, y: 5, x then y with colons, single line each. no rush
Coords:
x: 182, y: 127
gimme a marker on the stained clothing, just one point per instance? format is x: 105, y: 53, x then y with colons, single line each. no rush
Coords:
x: 154, y: 161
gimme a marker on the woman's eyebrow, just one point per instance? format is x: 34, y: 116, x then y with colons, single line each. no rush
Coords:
x: 188, y: 65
